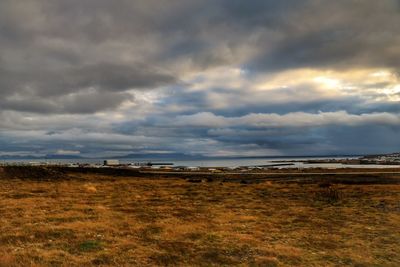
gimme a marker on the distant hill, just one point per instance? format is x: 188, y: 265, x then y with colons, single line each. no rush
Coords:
x: 175, y: 156
x: 157, y: 156
x: 182, y: 156
x: 49, y: 156
x: 55, y: 156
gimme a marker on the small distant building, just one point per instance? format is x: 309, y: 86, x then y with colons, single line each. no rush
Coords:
x: 214, y: 170
x: 135, y: 166
x: 34, y: 163
x: 166, y: 167
x: 180, y: 168
x: 111, y: 162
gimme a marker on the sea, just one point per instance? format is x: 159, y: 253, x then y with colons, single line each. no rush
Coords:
x: 228, y: 162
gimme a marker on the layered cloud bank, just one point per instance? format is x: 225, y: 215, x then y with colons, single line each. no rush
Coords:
x: 225, y: 77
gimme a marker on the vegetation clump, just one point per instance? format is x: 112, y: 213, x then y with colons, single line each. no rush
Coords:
x: 329, y: 194
x: 90, y: 245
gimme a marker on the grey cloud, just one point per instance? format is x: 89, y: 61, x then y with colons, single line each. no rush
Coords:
x: 82, y: 102
x: 65, y: 90
x: 282, y: 34
x: 93, y: 101
x: 61, y: 62
x: 119, y: 78
x: 297, y: 119
x: 45, y: 61
x: 299, y: 98
x: 335, y: 34
x: 105, y: 76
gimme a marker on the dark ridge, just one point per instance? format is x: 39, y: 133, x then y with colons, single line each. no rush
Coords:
x: 32, y: 173
x: 49, y: 173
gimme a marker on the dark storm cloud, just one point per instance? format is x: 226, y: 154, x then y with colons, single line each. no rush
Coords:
x: 104, y: 76
x: 288, y: 33
x: 118, y: 76
x: 51, y: 52
x: 287, y: 136
x: 82, y: 102
x: 280, y: 101
x: 65, y: 90
x: 336, y: 34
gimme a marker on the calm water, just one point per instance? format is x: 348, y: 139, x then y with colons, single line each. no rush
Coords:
x: 218, y: 162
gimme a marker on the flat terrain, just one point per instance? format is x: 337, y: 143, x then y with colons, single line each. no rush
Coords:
x: 52, y: 217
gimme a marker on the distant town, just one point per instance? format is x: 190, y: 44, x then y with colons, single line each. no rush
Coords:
x: 384, y: 160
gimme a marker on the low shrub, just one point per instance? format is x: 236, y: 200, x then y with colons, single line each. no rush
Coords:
x: 328, y: 194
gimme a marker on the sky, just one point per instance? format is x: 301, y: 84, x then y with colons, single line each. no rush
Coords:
x: 99, y: 78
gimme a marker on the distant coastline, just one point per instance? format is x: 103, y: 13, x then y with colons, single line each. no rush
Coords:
x: 172, y: 157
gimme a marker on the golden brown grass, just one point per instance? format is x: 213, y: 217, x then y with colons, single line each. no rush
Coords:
x: 101, y: 220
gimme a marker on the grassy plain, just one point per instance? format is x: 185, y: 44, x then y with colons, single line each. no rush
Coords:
x: 84, y: 219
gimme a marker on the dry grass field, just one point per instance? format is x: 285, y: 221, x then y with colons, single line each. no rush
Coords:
x: 85, y: 219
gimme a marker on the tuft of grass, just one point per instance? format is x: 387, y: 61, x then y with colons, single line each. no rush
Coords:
x: 329, y: 194
x: 150, y: 233
x: 165, y: 259
x: 216, y: 256
x: 90, y: 245
x: 102, y: 259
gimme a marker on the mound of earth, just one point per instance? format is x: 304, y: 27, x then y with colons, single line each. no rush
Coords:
x: 31, y: 173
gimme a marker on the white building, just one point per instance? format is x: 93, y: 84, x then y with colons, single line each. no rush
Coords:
x: 111, y: 162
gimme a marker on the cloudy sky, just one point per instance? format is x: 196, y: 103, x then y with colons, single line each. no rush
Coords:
x: 203, y: 77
